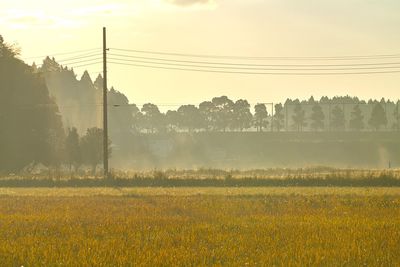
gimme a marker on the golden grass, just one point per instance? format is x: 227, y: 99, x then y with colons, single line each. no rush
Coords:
x: 281, y: 228
x: 201, y: 174
x: 195, y: 191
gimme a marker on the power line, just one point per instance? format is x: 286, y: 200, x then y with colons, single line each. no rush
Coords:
x: 78, y: 57
x: 89, y: 55
x: 59, y: 54
x: 257, y: 65
x: 258, y: 68
x: 81, y: 61
x: 357, y: 57
x: 84, y: 65
x: 255, y: 73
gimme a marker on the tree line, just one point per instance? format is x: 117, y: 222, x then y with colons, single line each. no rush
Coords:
x: 341, y: 113
x: 223, y: 114
x: 35, y: 104
x: 31, y: 127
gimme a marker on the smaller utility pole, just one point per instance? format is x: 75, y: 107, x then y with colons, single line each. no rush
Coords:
x: 105, y: 122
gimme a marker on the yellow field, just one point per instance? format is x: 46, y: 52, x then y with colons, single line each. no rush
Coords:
x: 200, y: 226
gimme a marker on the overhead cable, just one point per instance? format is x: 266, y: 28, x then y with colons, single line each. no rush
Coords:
x: 254, y: 73
x: 59, y: 54
x: 256, y: 65
x: 254, y: 68
x: 356, y: 57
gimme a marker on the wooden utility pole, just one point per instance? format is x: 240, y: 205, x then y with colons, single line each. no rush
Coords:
x: 105, y: 122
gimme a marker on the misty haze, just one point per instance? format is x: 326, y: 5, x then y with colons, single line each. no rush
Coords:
x: 199, y: 133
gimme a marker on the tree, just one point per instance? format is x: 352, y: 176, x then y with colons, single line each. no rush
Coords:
x: 317, y: 117
x: 31, y: 126
x: 299, y: 117
x: 378, y: 117
x: 73, y: 149
x: 8, y: 50
x: 357, y: 119
x: 207, y: 111
x: 137, y: 118
x: 120, y: 114
x: 242, y: 116
x: 278, y: 117
x: 172, y: 120
x: 223, y: 112
x: 92, y: 147
x: 152, y: 117
x: 189, y: 117
x: 337, y: 119
x: 396, y: 116
x: 260, y: 117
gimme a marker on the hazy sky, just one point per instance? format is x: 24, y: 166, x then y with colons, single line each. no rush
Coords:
x: 220, y: 27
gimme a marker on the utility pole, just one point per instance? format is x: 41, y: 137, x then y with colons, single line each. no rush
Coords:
x: 105, y: 122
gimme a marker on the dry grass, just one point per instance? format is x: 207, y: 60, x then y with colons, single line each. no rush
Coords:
x: 204, y: 173
x: 311, y: 177
x: 143, y: 227
x: 197, y: 191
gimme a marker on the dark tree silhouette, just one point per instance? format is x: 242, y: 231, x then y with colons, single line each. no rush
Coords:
x: 378, y: 117
x: 299, y: 117
x: 278, y: 117
x: 152, y: 118
x: 396, y: 115
x: 137, y: 118
x: 317, y: 118
x: 31, y: 128
x: 120, y: 113
x: 242, y: 116
x: 73, y: 149
x: 337, y: 119
x: 223, y: 112
x: 8, y: 50
x: 92, y: 147
x: 189, y: 117
x: 172, y: 120
x: 207, y: 111
x: 356, y: 122
x: 260, y: 117
x: 80, y: 101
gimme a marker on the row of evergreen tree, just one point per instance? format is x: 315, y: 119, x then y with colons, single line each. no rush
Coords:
x: 31, y: 126
x: 33, y: 120
x: 223, y: 114
x: 80, y: 106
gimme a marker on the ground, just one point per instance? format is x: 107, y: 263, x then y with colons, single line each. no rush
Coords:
x: 200, y: 226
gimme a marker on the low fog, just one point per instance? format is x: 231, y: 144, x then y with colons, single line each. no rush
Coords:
x: 52, y: 119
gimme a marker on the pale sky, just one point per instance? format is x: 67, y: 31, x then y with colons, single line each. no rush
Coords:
x: 269, y: 28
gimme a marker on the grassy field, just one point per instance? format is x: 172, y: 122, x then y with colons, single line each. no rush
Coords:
x: 200, y: 226
x: 279, y: 177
